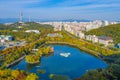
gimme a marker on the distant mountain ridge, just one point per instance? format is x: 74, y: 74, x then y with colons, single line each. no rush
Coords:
x: 9, y: 20
x: 13, y: 20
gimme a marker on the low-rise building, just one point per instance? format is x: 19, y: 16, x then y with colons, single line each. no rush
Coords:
x: 15, y: 30
x: 9, y: 38
x: 117, y: 45
x: 35, y: 31
x: 2, y: 47
x: 4, y: 38
x: 105, y: 40
x: 99, y: 39
x: 54, y: 35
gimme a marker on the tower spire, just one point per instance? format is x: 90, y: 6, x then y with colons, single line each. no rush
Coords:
x: 21, y: 15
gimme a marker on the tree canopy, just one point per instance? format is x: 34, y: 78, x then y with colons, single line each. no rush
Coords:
x: 111, y: 30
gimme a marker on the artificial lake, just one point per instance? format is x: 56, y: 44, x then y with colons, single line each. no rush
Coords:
x: 74, y: 66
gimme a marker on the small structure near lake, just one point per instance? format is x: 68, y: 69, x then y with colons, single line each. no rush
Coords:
x: 51, y: 49
x: 54, y: 35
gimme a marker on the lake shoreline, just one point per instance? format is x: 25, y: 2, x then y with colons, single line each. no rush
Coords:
x: 78, y: 62
x: 96, y: 54
x: 16, y: 61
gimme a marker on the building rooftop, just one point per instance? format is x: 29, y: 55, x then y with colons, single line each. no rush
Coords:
x: 105, y: 38
x: 55, y: 35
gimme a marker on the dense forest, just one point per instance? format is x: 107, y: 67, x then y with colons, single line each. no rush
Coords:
x: 8, y: 74
x: 111, y: 30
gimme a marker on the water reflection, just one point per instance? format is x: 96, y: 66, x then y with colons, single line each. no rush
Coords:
x: 31, y: 66
x: 73, y: 66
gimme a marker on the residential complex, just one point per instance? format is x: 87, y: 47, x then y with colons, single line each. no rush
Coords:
x: 77, y: 28
x: 99, y: 39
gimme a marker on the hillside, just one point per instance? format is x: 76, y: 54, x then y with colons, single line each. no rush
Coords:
x: 21, y: 34
x: 28, y: 25
x: 111, y: 30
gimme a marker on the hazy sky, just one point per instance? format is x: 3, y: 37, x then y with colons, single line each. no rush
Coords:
x: 61, y: 9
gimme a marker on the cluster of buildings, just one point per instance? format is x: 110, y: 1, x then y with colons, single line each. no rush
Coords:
x: 77, y: 28
x: 4, y: 38
x: 99, y: 39
x: 7, y: 41
x: 82, y: 26
x: 11, y: 44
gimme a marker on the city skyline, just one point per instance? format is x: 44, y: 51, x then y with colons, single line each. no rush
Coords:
x: 62, y: 9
